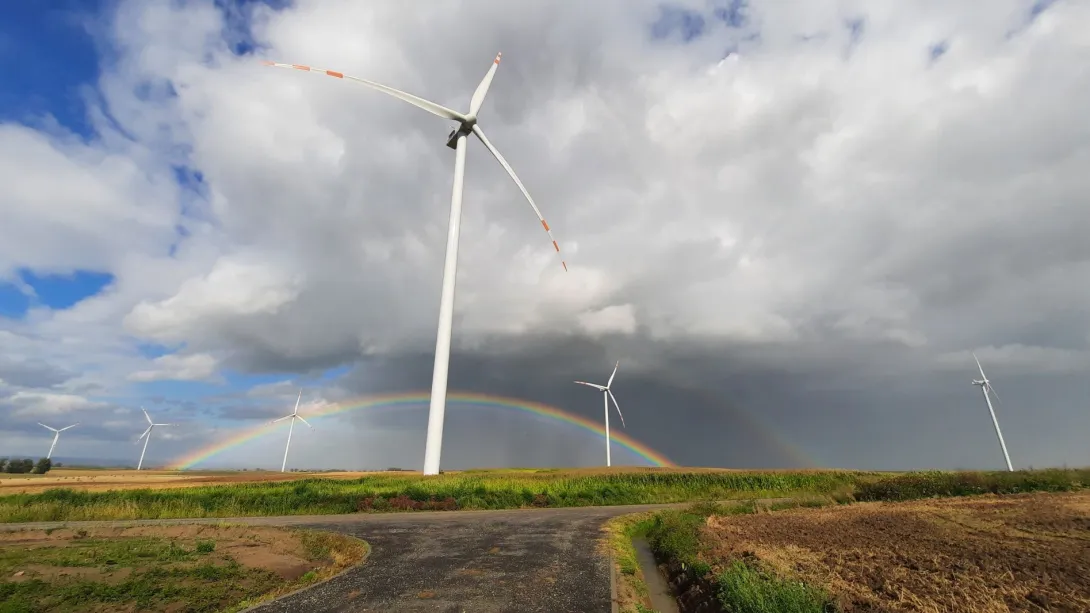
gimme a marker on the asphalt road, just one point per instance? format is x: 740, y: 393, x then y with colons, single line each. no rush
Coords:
x: 524, y: 561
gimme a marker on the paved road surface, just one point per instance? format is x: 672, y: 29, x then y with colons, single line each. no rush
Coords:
x: 523, y: 561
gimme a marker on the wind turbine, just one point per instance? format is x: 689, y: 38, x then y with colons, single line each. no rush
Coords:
x: 467, y: 123
x: 607, y: 395
x: 147, y: 433
x: 985, y: 387
x: 294, y: 415
x: 56, y: 435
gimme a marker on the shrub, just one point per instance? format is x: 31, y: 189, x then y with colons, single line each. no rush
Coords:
x: 938, y: 483
x: 43, y: 466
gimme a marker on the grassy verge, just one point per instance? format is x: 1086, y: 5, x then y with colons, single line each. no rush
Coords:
x: 620, y: 532
x: 674, y: 537
x: 510, y: 490
x: 170, y: 569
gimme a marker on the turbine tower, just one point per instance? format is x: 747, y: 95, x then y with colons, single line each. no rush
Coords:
x: 147, y: 433
x: 985, y: 387
x: 56, y: 435
x: 293, y: 416
x: 467, y: 123
x: 607, y: 395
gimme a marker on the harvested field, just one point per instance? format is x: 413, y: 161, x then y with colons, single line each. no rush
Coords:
x: 164, y: 568
x: 974, y: 555
x: 102, y: 480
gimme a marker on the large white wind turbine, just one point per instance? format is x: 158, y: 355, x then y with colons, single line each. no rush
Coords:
x: 293, y: 416
x: 607, y: 395
x: 56, y: 435
x: 147, y: 433
x: 986, y: 387
x: 467, y: 123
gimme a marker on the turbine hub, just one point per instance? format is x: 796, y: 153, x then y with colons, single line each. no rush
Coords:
x: 462, y: 130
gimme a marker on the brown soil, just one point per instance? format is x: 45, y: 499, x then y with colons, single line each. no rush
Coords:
x: 273, y: 549
x: 971, y: 555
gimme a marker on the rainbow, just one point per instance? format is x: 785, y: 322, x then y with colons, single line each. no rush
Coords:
x: 421, y: 398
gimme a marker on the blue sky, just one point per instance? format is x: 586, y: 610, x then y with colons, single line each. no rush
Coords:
x: 50, y: 63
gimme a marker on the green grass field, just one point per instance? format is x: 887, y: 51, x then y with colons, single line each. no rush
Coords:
x: 509, y: 490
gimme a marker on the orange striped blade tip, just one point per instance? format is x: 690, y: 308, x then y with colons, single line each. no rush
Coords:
x: 498, y: 58
x: 333, y: 73
x: 300, y: 67
x: 545, y: 224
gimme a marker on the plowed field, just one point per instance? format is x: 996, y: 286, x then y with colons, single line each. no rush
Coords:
x: 975, y: 555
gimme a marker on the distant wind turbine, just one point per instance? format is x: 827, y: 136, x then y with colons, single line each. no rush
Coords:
x: 56, y: 435
x: 607, y: 395
x: 985, y: 387
x: 294, y: 415
x: 147, y: 433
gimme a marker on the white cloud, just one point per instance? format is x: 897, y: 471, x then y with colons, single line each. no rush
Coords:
x: 614, y: 318
x: 193, y: 367
x: 29, y: 403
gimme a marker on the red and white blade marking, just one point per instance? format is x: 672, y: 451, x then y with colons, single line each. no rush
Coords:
x: 417, y: 101
x: 511, y: 173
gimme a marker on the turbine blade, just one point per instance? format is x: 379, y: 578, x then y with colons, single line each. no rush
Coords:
x: 304, y: 421
x: 431, y: 107
x: 67, y: 427
x: 300, y: 397
x: 992, y: 390
x: 146, y: 416
x: 142, y: 435
x: 47, y: 427
x: 281, y: 419
x: 594, y: 385
x: 482, y: 89
x: 615, y: 367
x: 982, y: 375
x: 499, y: 158
x: 618, y: 407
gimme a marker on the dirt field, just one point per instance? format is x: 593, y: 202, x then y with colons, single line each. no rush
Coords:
x: 164, y: 568
x: 98, y: 480
x: 974, y: 555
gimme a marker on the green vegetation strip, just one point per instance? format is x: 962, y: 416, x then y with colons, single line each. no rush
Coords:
x: 412, y: 492
x: 509, y: 490
x: 742, y: 586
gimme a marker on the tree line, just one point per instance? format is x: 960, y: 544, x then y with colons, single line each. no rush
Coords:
x: 26, y: 465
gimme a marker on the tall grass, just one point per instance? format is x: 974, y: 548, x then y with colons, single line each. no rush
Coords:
x: 510, y: 490
x: 911, y: 486
x: 464, y: 490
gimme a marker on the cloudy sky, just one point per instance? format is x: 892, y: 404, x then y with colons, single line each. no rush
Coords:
x: 790, y: 223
